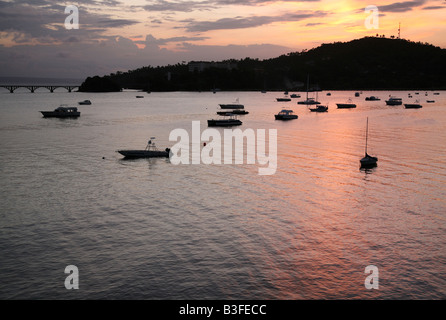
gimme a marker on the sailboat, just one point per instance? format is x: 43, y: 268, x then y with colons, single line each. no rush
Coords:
x: 309, y: 101
x: 368, y: 161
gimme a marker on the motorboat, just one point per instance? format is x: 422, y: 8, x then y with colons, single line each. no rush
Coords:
x: 139, y: 97
x: 368, y: 161
x: 412, y: 106
x: 348, y: 105
x: 394, y: 101
x: 286, y: 115
x: 319, y: 108
x: 229, y: 112
x: 357, y: 94
x: 283, y: 99
x: 294, y: 95
x: 230, y: 122
x: 62, y: 112
x: 235, y: 105
x: 430, y: 101
x: 372, y: 98
x: 151, y: 151
x: 85, y: 102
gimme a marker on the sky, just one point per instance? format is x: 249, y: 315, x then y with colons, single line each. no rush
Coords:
x: 37, y: 38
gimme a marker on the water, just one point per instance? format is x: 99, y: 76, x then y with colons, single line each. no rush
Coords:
x: 148, y: 229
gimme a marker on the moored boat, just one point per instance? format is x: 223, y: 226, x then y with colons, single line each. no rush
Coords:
x: 230, y: 122
x: 85, y: 102
x: 412, y: 106
x: 230, y: 112
x: 150, y: 151
x: 372, y: 98
x: 62, y: 112
x: 283, y: 99
x: 368, y: 161
x: 348, y: 105
x: 286, y: 115
x: 235, y: 105
x: 319, y: 108
x: 394, y: 101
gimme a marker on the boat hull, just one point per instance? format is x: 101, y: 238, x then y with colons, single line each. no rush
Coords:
x: 283, y: 99
x: 308, y: 102
x: 283, y: 117
x: 137, y: 154
x: 413, y: 106
x: 224, y: 123
x: 53, y: 114
x: 369, y: 162
x: 346, y: 105
x: 394, y: 102
x: 319, y: 109
x: 232, y: 106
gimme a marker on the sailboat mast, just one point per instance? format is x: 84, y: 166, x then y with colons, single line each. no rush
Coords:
x: 366, y: 135
x: 308, y: 84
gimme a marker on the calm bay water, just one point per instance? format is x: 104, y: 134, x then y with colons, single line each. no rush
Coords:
x: 148, y: 229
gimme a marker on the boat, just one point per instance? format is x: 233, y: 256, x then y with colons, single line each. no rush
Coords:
x: 139, y: 97
x: 294, y: 95
x: 62, y: 112
x: 283, y: 99
x: 329, y: 94
x: 309, y: 101
x: 151, y: 151
x: 430, y: 101
x: 436, y: 93
x: 412, y: 106
x: 394, y: 101
x: 319, y: 108
x: 235, y: 105
x: 85, y: 102
x: 372, y: 98
x: 348, y: 105
x: 231, y: 122
x: 239, y: 111
x: 229, y: 112
x: 357, y: 94
x: 286, y: 115
x: 368, y: 161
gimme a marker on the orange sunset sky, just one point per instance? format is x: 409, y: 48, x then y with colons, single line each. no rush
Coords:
x: 121, y: 35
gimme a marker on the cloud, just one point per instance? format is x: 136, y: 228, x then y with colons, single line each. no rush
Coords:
x: 79, y: 60
x: 247, y: 22
x: 188, y: 6
x: 401, y: 6
x: 43, y: 22
x: 434, y: 7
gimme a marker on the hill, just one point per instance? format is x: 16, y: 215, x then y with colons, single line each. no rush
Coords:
x: 369, y: 63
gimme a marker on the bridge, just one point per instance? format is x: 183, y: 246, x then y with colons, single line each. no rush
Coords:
x: 33, y: 88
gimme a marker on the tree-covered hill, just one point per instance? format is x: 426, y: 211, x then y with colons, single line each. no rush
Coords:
x: 364, y: 64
